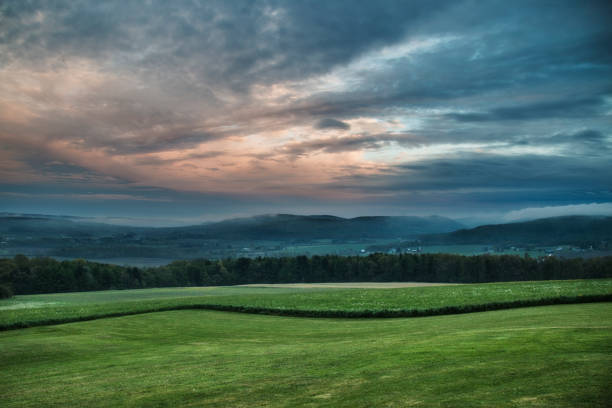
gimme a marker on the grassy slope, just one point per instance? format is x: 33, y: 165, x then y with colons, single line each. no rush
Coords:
x: 45, y: 309
x: 33, y: 309
x: 547, y: 356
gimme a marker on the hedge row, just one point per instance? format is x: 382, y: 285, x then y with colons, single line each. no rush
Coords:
x: 447, y: 310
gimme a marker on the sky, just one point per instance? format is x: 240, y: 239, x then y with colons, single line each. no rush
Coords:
x: 187, y: 111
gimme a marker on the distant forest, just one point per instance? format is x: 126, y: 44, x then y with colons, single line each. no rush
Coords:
x: 22, y: 275
x: 291, y: 235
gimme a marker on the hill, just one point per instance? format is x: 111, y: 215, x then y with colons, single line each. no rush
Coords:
x: 38, y: 225
x: 557, y: 356
x: 283, y: 227
x: 74, y: 237
x: 582, y: 230
x: 281, y: 235
x: 263, y: 227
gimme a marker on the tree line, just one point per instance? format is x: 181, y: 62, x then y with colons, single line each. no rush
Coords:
x: 23, y: 275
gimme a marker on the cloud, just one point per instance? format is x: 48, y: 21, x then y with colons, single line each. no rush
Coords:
x: 241, y: 41
x: 540, y: 110
x: 157, y: 161
x: 558, y: 211
x: 348, y: 144
x: 88, y: 196
x: 585, y: 142
x: 521, y: 176
x: 329, y: 123
x: 392, y: 100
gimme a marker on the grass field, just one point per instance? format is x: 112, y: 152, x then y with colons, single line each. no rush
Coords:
x: 348, y: 285
x: 32, y: 310
x: 530, y: 357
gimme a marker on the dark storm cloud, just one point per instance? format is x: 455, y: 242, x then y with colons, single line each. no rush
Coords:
x: 184, y: 48
x: 589, y: 136
x: 329, y: 123
x: 490, y: 175
x: 541, y: 110
x: 239, y: 41
x: 449, y: 77
x: 582, y: 144
x: 493, y: 61
x: 521, y: 172
x: 144, y: 78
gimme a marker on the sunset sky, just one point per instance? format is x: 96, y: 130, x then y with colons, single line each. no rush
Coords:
x: 185, y: 111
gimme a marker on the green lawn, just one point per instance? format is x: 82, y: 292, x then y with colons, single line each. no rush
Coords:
x: 33, y: 309
x: 551, y: 356
x: 106, y: 296
x: 54, y: 308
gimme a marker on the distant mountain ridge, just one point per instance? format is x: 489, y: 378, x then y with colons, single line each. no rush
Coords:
x: 288, y: 227
x: 262, y: 227
x: 280, y: 235
x: 309, y: 227
x: 43, y: 225
x: 543, y: 231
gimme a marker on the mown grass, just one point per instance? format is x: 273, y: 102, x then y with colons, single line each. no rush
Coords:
x: 25, y: 311
x: 32, y: 310
x: 106, y: 296
x: 554, y: 356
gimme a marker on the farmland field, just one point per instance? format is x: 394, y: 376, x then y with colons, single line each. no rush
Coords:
x: 544, y: 356
x: 31, y: 310
x: 56, y: 308
x: 348, y: 285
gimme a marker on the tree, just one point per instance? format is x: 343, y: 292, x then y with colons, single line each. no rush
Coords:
x: 6, y: 268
